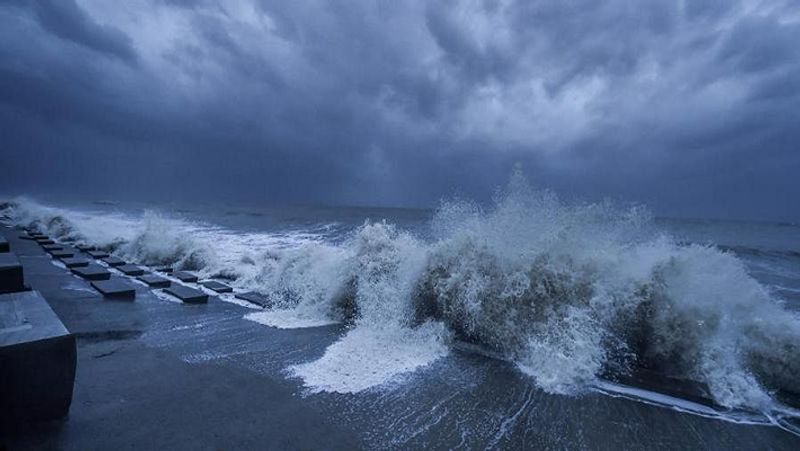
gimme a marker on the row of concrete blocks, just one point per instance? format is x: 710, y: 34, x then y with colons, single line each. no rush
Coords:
x: 101, y: 280
x: 37, y: 354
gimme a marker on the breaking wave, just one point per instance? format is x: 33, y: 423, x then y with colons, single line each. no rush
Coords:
x: 571, y: 294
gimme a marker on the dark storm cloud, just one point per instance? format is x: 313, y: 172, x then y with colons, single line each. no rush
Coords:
x: 689, y: 106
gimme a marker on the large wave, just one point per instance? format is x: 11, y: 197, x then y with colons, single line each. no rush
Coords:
x: 569, y: 293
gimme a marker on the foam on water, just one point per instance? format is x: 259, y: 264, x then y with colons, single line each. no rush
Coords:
x: 570, y: 293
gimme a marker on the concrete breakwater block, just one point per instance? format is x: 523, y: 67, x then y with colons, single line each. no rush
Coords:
x: 184, y: 276
x: 37, y: 357
x: 44, y: 241
x: 164, y: 269
x: 4, y: 246
x: 115, y: 288
x: 85, y: 247
x: 52, y: 247
x: 63, y: 253
x: 25, y: 236
x: 186, y: 294
x: 155, y: 281
x: 254, y: 298
x: 113, y: 261
x: 74, y: 262
x: 92, y: 272
x: 217, y: 286
x: 97, y: 254
x: 131, y: 270
x: 11, y: 279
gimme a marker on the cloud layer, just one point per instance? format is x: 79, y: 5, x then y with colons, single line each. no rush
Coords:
x: 691, y: 106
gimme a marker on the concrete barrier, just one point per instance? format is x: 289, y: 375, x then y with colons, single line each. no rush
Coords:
x: 187, y: 295
x: 92, y: 272
x: 37, y: 358
x: 184, y: 276
x: 75, y: 262
x: 114, y: 288
x: 155, y: 281
x: 217, y: 286
x: 63, y: 253
x: 131, y: 270
x: 11, y: 278
x: 254, y: 298
x: 113, y: 261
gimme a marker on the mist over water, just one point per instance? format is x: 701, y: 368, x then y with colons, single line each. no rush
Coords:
x: 572, y: 294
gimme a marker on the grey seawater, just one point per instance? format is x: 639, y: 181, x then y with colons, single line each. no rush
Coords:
x: 468, y: 399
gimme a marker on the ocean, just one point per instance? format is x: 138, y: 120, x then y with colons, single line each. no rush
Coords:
x: 530, y: 321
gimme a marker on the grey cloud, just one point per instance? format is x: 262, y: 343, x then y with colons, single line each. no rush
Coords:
x: 688, y: 106
x: 67, y: 20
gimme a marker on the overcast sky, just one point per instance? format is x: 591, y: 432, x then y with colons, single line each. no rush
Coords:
x: 692, y: 107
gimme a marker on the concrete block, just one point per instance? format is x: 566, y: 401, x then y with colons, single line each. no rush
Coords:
x: 37, y: 357
x: 4, y: 246
x: 164, y: 269
x: 75, y: 262
x: 92, y: 272
x: 184, y: 276
x: 97, y: 254
x: 85, y: 247
x: 52, y: 247
x: 216, y: 286
x: 63, y: 253
x: 25, y: 236
x: 44, y: 241
x: 254, y: 298
x: 155, y: 281
x: 131, y: 270
x: 186, y: 294
x: 113, y: 261
x: 11, y: 279
x: 115, y: 288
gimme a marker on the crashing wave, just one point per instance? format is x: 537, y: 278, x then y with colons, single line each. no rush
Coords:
x: 570, y: 293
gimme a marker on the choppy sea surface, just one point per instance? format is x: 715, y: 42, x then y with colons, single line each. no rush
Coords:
x: 575, y: 299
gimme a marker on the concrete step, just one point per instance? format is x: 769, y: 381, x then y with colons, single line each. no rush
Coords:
x: 115, y: 288
x: 155, y: 281
x: 97, y: 254
x: 217, y: 286
x: 187, y: 295
x: 92, y: 272
x: 75, y: 262
x: 131, y: 270
x: 184, y: 276
x: 254, y: 298
x: 11, y: 277
x: 113, y: 261
x: 37, y: 357
x: 63, y: 253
